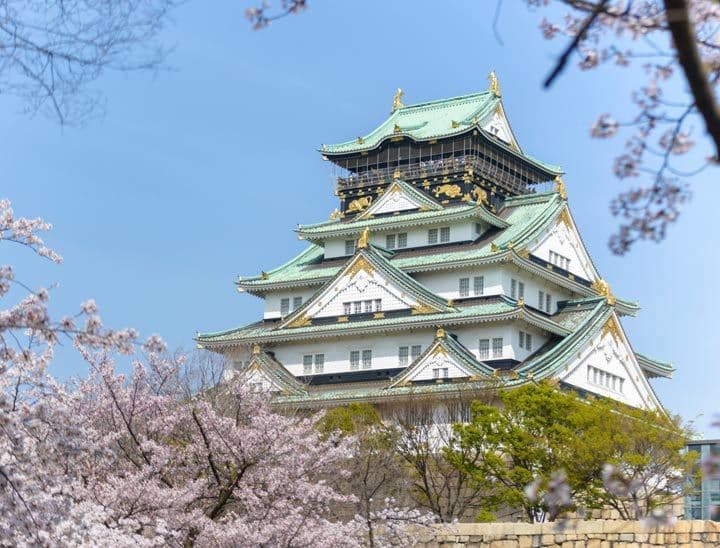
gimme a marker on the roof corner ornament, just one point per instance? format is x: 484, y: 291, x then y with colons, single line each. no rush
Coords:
x: 602, y: 287
x: 256, y: 349
x: 360, y: 140
x: 494, y: 84
x: 264, y: 275
x: 335, y: 215
x: 521, y: 302
x: 494, y: 247
x: 397, y: 174
x: 440, y: 333
x: 364, y: 239
x: 560, y: 187
x: 397, y: 100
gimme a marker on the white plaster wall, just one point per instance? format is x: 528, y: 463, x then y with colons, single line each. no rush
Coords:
x: 447, y: 283
x: 385, y: 348
x: 611, y: 356
x: 272, y: 301
x: 337, y: 352
x: 426, y: 372
x: 395, y: 201
x: 533, y: 284
x: 459, y: 232
x: 560, y: 239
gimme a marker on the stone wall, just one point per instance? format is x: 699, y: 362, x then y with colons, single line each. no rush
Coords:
x: 578, y: 534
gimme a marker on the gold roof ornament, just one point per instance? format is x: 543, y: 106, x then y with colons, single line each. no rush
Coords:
x: 360, y: 140
x: 494, y: 84
x: 494, y: 247
x: 397, y: 128
x: 440, y: 333
x: 397, y: 173
x: 264, y: 275
x: 560, y: 187
x: 521, y: 302
x: 364, y: 239
x: 602, y: 287
x: 335, y: 215
x: 256, y: 349
x: 397, y: 100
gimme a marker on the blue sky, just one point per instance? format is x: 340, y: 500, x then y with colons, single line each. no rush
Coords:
x: 199, y: 173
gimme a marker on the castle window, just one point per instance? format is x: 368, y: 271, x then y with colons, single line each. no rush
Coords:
x: 319, y: 363
x: 464, y: 287
x: 284, y: 306
x: 478, y: 228
x: 445, y: 234
x: 433, y: 236
x: 497, y: 347
x: 390, y: 241
x: 525, y: 340
x: 484, y: 349
x: 403, y: 355
x: 521, y: 290
x: 347, y: 308
x: 548, y: 303
x: 378, y: 305
x: 415, y: 351
x: 559, y: 260
x: 602, y: 378
x: 402, y: 240
x: 354, y: 359
x: 368, y: 306
x: 357, y: 307
x: 479, y: 285
x: 349, y: 247
x: 307, y: 364
x: 367, y: 359
x: 541, y: 299
x: 440, y: 373
x: 297, y: 302
x: 517, y: 289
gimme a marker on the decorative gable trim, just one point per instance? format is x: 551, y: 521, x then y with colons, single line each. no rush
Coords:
x: 399, y: 196
x: 266, y: 370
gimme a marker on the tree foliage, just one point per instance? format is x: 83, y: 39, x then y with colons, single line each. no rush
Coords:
x: 546, y: 451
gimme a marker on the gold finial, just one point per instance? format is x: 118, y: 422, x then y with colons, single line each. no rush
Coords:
x: 560, y: 187
x: 360, y: 140
x: 364, y: 239
x: 335, y: 214
x: 397, y: 128
x: 450, y: 302
x: 264, y: 275
x: 602, y: 287
x: 440, y: 333
x: 256, y: 349
x: 510, y: 244
x: 494, y: 248
x: 514, y: 375
x: 521, y: 302
x: 475, y: 120
x: 397, y: 100
x: 494, y: 85
x: 454, y: 124
x: 397, y: 174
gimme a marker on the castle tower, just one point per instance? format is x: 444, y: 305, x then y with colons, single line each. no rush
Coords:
x: 445, y: 266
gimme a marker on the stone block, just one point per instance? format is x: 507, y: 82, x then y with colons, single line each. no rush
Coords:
x: 593, y: 543
x: 548, y: 540
x: 626, y: 537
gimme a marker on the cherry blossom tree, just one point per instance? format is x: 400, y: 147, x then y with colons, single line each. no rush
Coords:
x: 136, y: 457
x: 674, y: 42
x: 52, y: 51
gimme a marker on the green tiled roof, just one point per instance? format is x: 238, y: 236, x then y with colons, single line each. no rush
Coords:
x: 498, y: 309
x: 276, y: 372
x: 404, y: 281
x: 664, y: 369
x: 435, y: 120
x: 526, y: 215
x: 416, y: 218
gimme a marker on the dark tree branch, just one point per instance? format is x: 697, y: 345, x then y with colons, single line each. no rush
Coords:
x: 684, y: 36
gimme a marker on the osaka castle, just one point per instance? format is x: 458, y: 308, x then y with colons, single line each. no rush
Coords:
x: 452, y: 260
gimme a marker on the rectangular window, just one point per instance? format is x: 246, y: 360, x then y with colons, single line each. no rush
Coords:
x: 284, y: 306
x: 484, y: 349
x: 347, y: 308
x: 297, y: 302
x: 390, y: 241
x: 354, y: 359
x: 367, y: 359
x: 522, y: 339
x: 521, y: 290
x: 541, y: 299
x: 433, y: 236
x: 548, y: 303
x: 403, y: 354
x: 497, y: 347
x: 378, y: 305
x: 349, y: 247
x: 478, y: 228
x: 357, y: 307
x: 559, y: 260
x: 415, y: 351
x: 513, y: 288
x: 319, y: 363
x: 402, y: 240
x: 528, y: 342
x: 368, y: 306
x: 440, y: 373
x: 445, y: 234
x: 464, y: 287
x: 479, y: 285
x: 307, y: 364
